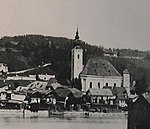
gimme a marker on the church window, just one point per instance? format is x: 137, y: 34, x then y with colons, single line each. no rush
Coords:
x: 106, y: 84
x: 99, y: 85
x: 90, y: 84
x: 95, y: 100
x: 78, y: 56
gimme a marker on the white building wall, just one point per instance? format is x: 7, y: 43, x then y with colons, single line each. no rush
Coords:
x: 110, y: 80
x: 46, y: 77
x: 122, y: 103
x: 3, y: 67
x: 3, y: 96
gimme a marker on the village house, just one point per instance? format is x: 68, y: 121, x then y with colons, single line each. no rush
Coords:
x: 38, y: 91
x: 41, y: 77
x: 100, y: 99
x: 5, y: 94
x: 121, y: 96
x: 107, y: 98
x: 110, y: 53
x: 100, y: 96
x: 10, y: 99
x: 69, y: 98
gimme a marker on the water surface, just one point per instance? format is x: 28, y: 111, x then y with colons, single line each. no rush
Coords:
x: 61, y: 123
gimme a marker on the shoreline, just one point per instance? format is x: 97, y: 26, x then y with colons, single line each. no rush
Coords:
x: 88, y: 114
x: 67, y: 114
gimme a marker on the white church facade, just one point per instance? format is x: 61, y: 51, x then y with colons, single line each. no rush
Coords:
x: 97, y: 73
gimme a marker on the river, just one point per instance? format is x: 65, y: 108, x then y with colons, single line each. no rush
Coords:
x: 61, y: 123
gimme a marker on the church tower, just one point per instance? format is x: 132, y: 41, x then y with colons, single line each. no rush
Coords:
x: 126, y: 81
x: 76, y: 59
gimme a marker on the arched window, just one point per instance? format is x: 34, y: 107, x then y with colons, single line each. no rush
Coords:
x: 90, y: 84
x: 99, y: 85
x: 78, y: 56
x: 96, y: 100
x: 106, y: 84
x: 114, y: 84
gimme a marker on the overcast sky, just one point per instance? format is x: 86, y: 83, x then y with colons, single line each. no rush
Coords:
x: 108, y: 23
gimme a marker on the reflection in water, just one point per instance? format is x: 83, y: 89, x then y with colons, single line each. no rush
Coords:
x: 61, y: 123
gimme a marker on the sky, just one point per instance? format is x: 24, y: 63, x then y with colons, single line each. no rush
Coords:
x: 107, y: 23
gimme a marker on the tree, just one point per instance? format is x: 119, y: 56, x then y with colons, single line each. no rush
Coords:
x: 76, y: 83
x: 141, y: 86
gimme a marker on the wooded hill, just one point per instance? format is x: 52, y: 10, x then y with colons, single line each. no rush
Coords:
x: 22, y: 52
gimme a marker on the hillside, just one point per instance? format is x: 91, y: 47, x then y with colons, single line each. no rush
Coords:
x: 138, y: 68
x: 22, y: 52
x: 28, y: 51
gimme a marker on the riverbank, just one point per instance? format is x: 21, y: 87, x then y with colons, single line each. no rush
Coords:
x: 21, y: 113
x: 71, y: 114
x: 88, y: 114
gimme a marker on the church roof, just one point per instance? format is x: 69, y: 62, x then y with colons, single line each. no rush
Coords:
x: 100, y: 92
x: 99, y: 67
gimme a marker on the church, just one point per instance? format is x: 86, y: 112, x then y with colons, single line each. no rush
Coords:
x: 97, y: 73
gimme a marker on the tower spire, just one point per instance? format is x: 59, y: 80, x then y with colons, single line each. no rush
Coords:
x: 77, y: 35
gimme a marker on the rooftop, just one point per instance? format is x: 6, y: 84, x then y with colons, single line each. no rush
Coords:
x: 99, y: 67
x: 100, y: 92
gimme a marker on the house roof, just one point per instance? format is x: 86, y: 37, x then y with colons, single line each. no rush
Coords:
x: 63, y: 93
x: 37, y: 85
x: 107, y: 51
x: 100, y: 92
x: 66, y: 91
x: 120, y: 92
x: 57, y: 85
x: 76, y: 93
x: 42, y: 92
x: 99, y: 67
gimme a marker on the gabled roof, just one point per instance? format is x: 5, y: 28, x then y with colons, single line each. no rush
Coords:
x: 57, y: 85
x: 63, y: 93
x: 100, y: 92
x: 76, y: 93
x: 42, y: 92
x: 37, y: 85
x: 66, y: 91
x: 99, y: 67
